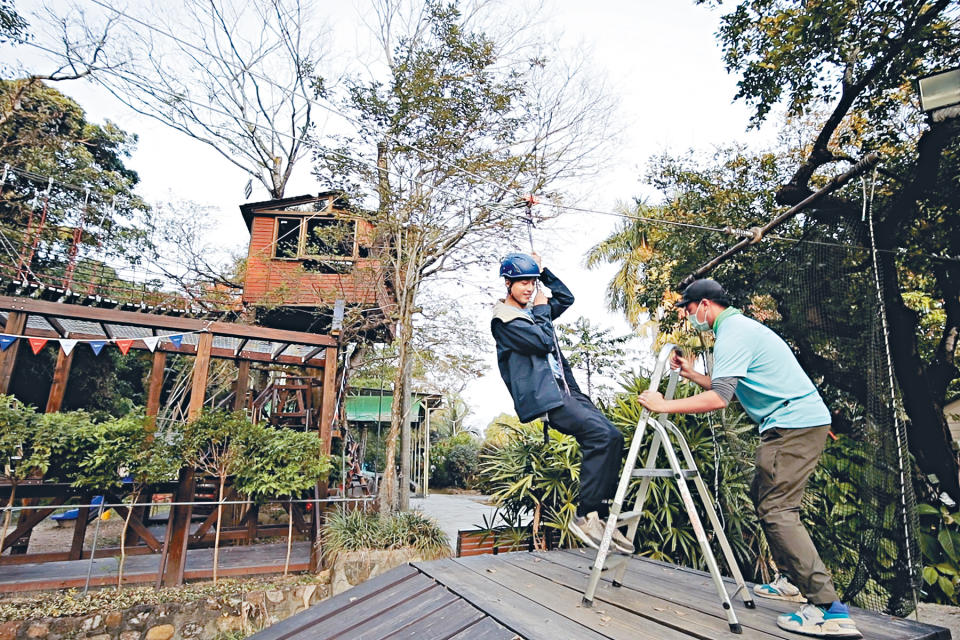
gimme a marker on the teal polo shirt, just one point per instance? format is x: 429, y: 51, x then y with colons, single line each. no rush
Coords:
x: 773, y: 388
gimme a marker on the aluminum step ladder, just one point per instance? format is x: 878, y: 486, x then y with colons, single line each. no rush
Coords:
x: 662, y: 429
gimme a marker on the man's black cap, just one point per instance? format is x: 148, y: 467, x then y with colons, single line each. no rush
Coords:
x: 706, y: 289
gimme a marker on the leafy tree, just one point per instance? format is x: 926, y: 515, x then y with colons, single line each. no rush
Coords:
x: 12, y: 25
x: 239, y: 77
x: 43, y: 133
x: 25, y: 449
x: 455, y: 126
x: 114, y: 454
x: 217, y: 443
x: 592, y: 349
x: 286, y: 463
x: 851, y: 66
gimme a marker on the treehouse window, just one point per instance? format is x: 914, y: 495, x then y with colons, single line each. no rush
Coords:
x: 329, y: 237
x: 288, y: 238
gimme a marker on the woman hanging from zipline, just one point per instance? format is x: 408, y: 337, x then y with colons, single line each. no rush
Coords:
x: 542, y: 387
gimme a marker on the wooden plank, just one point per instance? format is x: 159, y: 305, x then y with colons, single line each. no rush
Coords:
x: 154, y: 321
x: 156, y: 387
x: 201, y: 367
x: 690, y: 588
x: 870, y: 623
x: 358, y: 596
x: 16, y: 321
x: 643, y: 608
x: 528, y: 618
x: 565, y: 600
x: 487, y: 629
x: 242, y: 385
x: 174, y: 550
x: 138, y: 527
x: 61, y: 375
x: 329, y: 397
x: 385, y: 613
x: 79, y: 532
x: 440, y: 624
x: 30, y: 519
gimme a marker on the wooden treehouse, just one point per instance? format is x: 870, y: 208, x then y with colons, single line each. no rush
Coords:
x: 308, y: 256
x: 307, y: 253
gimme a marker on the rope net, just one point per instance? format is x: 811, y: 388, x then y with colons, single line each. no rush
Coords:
x: 821, y: 295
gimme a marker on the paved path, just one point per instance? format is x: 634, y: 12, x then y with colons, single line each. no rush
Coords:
x: 455, y: 512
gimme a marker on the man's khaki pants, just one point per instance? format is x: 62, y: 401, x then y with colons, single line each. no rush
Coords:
x: 785, y: 460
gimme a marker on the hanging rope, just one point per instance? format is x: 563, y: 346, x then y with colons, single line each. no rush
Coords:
x: 899, y: 429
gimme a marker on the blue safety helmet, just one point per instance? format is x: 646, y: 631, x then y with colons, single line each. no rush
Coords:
x: 518, y: 266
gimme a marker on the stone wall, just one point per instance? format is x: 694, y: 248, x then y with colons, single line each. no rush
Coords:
x: 211, y: 618
x: 200, y: 620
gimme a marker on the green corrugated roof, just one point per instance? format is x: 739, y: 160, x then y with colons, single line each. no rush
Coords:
x: 373, y: 408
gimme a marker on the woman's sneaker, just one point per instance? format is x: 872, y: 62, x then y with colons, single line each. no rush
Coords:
x: 816, y: 621
x: 590, y: 528
x: 779, y: 589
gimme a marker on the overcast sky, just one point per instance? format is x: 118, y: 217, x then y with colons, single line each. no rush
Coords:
x: 659, y: 59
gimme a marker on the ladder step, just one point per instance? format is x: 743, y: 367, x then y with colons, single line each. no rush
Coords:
x: 627, y: 516
x: 662, y: 473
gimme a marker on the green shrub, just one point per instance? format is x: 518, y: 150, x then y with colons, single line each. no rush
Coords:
x: 359, y: 530
x: 940, y: 546
x: 454, y: 461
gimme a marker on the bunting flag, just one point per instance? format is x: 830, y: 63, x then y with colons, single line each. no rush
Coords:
x: 151, y: 342
x: 124, y: 345
x: 176, y: 339
x: 6, y: 341
x: 67, y: 345
x: 36, y: 344
x: 97, y: 346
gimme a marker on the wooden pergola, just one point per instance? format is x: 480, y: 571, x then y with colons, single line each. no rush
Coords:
x: 202, y: 339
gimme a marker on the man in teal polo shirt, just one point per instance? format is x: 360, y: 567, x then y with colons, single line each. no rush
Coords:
x: 754, y: 363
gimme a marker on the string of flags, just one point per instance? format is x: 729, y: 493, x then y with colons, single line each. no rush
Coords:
x: 97, y: 345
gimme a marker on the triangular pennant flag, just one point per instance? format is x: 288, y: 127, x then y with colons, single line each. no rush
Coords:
x: 124, y: 345
x: 151, y: 342
x: 176, y: 339
x: 36, y: 344
x: 97, y: 346
x: 6, y: 341
x: 67, y: 345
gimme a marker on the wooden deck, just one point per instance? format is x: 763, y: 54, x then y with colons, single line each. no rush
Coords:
x: 140, y: 569
x: 537, y: 596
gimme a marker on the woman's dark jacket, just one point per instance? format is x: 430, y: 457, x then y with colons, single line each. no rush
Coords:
x: 522, y: 347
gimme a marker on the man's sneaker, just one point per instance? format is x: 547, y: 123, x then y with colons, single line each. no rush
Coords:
x: 779, y: 589
x: 816, y: 621
x: 588, y: 529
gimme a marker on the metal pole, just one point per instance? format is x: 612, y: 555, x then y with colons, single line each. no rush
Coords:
x: 757, y: 233
x: 93, y: 549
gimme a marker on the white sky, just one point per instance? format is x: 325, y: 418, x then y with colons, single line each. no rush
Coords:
x: 660, y: 60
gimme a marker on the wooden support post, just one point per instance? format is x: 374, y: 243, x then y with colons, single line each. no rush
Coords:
x: 156, y: 387
x: 16, y: 323
x: 61, y: 374
x: 174, y: 555
x: 201, y: 367
x: 241, y: 386
x: 329, y: 397
x: 175, y: 542
x: 79, y: 531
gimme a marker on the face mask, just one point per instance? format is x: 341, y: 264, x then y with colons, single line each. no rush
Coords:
x: 696, y: 323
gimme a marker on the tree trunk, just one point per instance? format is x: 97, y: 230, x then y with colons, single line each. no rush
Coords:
x: 216, y: 539
x: 388, y: 487
x: 123, y: 537
x: 8, y: 515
